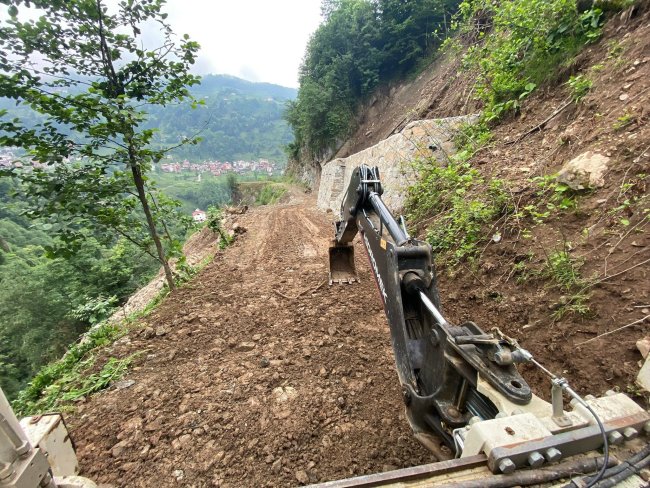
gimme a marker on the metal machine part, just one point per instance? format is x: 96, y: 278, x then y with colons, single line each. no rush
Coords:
x: 342, y: 269
x: 24, y: 456
x: 460, y: 384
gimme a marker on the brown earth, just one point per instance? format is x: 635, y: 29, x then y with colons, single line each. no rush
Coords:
x: 257, y: 373
x: 505, y: 288
x: 612, y: 120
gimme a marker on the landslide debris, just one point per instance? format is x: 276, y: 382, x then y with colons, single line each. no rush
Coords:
x: 255, y: 374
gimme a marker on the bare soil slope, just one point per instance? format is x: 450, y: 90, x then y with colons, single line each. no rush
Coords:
x: 257, y: 373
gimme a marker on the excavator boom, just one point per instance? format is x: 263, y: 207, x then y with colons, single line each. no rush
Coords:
x: 460, y: 385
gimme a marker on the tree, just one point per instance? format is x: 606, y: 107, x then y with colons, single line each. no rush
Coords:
x: 88, y: 71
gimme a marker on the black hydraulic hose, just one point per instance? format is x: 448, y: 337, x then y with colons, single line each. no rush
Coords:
x: 527, y: 477
x: 601, y: 473
x: 629, y: 470
x: 624, y: 465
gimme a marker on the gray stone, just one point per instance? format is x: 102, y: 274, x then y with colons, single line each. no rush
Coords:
x: 302, y: 477
x: 245, y: 346
x: 585, y: 171
x: 394, y: 156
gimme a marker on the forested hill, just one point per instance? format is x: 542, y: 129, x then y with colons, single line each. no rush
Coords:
x: 240, y: 120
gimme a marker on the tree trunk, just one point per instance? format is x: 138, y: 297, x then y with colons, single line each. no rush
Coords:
x: 139, y: 184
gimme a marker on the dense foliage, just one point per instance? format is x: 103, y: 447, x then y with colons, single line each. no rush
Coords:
x: 94, y: 77
x: 46, y: 303
x: 516, y: 45
x: 360, y: 45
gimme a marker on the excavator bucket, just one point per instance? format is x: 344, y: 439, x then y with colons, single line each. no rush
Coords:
x: 342, y: 268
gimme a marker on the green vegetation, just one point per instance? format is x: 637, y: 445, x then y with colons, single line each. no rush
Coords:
x: 563, y: 270
x: 47, y: 302
x: 519, y: 44
x: 238, y: 120
x: 361, y: 45
x: 215, y: 224
x: 451, y: 202
x: 64, y: 379
x: 270, y: 193
x: 580, y: 86
x: 89, y: 89
x: 192, y: 194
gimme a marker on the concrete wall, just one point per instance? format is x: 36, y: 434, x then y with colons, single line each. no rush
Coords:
x: 394, y: 157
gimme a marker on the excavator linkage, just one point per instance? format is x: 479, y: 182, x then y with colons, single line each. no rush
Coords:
x: 460, y: 384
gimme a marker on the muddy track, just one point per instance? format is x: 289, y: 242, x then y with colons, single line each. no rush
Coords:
x: 257, y: 373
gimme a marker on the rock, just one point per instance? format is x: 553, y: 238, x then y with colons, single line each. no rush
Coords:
x: 162, y: 330
x: 257, y: 337
x: 131, y: 425
x: 148, y: 333
x: 623, y: 97
x: 643, y: 345
x: 118, y: 449
x: 276, y: 466
x: 122, y: 384
x: 182, y: 441
x: 238, y: 229
x: 245, y: 346
x: 154, y: 425
x: 178, y: 474
x: 285, y: 394
x: 584, y: 171
x: 265, y: 363
x: 302, y: 477
x: 410, y: 143
x: 643, y: 379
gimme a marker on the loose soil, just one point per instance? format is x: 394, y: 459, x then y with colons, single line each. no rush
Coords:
x: 257, y: 373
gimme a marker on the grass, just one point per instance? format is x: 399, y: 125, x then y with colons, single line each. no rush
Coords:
x: 70, y: 378
x: 449, y: 199
x: 564, y: 272
x: 579, y: 87
x: 270, y: 193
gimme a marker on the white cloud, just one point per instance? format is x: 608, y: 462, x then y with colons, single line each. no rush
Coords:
x: 260, y: 40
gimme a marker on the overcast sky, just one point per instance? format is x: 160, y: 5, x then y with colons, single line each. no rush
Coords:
x: 258, y: 40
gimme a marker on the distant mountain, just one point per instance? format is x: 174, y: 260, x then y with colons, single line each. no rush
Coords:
x: 240, y: 120
x: 212, y: 83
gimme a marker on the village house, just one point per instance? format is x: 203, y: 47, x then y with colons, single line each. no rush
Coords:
x: 199, y: 215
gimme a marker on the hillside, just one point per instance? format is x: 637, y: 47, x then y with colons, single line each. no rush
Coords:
x: 240, y: 120
x: 533, y: 195
x: 532, y: 246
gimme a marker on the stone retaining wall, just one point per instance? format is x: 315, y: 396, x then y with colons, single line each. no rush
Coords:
x: 394, y: 157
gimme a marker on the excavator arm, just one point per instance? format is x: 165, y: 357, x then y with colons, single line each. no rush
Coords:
x: 460, y: 385
x: 438, y: 364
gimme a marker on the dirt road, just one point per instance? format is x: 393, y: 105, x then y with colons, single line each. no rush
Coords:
x: 257, y: 373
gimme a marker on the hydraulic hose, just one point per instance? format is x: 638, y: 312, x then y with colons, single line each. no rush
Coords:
x: 624, y: 465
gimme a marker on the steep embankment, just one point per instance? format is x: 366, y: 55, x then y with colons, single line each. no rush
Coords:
x: 525, y: 248
x: 256, y: 373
